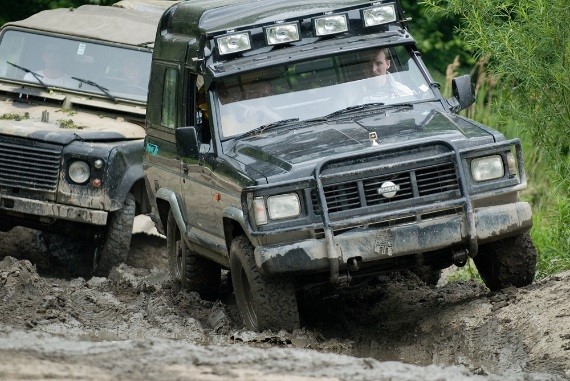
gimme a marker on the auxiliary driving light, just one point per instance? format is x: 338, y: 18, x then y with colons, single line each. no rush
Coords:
x: 282, y: 33
x: 331, y: 24
x: 379, y: 15
x: 233, y: 43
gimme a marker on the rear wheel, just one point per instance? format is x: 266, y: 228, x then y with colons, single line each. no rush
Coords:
x: 189, y: 270
x: 508, y: 262
x: 264, y: 302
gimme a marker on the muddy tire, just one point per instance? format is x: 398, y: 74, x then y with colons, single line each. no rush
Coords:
x: 74, y: 257
x: 117, y: 240
x: 188, y: 270
x: 509, y: 262
x: 265, y: 303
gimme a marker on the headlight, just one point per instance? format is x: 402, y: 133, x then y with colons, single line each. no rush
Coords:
x: 487, y: 168
x: 327, y: 25
x: 283, y: 206
x: 379, y: 15
x: 277, y: 207
x: 233, y: 43
x: 282, y: 33
x: 79, y: 172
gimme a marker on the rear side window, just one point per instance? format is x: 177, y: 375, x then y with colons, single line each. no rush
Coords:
x: 168, y: 118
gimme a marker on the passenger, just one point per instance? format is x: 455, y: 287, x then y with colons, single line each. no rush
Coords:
x: 252, y: 112
x: 133, y: 76
x: 52, y: 74
x: 383, y: 86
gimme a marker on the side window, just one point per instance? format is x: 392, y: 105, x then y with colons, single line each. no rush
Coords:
x: 168, y: 116
x: 198, y: 113
x: 201, y: 111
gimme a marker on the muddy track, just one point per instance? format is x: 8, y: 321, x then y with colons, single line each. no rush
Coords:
x: 133, y: 325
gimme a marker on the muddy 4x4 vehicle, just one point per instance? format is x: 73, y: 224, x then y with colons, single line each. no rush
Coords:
x: 73, y: 87
x: 300, y: 144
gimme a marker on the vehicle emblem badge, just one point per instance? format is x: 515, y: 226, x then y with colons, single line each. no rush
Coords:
x: 388, y: 189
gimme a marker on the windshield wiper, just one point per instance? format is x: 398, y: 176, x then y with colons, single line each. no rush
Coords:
x: 94, y: 84
x: 36, y: 75
x: 262, y: 129
x: 367, y: 106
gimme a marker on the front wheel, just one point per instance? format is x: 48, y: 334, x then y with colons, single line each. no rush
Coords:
x: 265, y: 302
x: 117, y: 241
x: 188, y: 270
x: 508, y: 262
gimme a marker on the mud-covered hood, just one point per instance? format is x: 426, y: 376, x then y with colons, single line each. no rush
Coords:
x: 57, y: 125
x: 288, y: 149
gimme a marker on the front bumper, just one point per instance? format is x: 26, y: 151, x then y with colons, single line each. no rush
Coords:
x: 375, y: 244
x: 27, y: 207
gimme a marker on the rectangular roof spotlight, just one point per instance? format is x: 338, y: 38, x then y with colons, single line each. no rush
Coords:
x: 379, y: 15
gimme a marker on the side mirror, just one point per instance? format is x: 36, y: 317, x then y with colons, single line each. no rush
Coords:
x: 463, y: 93
x: 187, y: 142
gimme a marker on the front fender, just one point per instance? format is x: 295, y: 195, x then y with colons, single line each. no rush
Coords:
x: 125, y: 169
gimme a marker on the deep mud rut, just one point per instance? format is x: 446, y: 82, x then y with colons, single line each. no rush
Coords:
x: 133, y: 325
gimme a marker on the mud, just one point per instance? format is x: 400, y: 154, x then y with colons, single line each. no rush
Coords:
x: 133, y: 325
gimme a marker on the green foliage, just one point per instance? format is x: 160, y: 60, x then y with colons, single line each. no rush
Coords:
x: 526, y: 45
x: 436, y: 37
x: 18, y: 10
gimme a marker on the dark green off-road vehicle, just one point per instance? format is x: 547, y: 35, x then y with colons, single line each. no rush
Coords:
x: 73, y: 89
x: 300, y: 144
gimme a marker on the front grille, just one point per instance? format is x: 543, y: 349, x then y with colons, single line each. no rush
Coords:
x: 430, y: 180
x: 29, y: 165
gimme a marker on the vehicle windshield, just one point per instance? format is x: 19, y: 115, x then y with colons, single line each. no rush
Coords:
x: 318, y: 88
x: 84, y: 66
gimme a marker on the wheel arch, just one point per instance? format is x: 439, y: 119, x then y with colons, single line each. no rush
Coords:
x: 167, y: 200
x: 234, y: 225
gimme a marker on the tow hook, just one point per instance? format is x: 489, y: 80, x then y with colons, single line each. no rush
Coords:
x: 459, y: 257
x: 353, y: 264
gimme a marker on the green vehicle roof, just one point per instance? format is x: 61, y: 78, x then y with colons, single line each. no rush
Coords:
x: 220, y: 15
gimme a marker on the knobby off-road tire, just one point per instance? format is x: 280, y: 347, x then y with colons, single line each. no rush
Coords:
x: 188, y: 270
x: 264, y: 302
x: 508, y: 262
x: 117, y: 240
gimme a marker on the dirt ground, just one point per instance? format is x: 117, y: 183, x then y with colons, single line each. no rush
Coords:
x: 133, y: 326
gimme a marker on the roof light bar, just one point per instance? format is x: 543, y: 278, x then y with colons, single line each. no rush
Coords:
x: 331, y: 24
x: 282, y: 33
x: 233, y: 43
x: 383, y: 14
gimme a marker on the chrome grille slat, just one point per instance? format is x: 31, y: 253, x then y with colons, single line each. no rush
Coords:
x: 29, y: 165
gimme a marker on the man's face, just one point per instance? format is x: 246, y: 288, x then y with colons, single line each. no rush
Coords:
x: 379, y: 64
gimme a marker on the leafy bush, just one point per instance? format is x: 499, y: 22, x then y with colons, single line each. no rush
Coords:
x: 526, y: 47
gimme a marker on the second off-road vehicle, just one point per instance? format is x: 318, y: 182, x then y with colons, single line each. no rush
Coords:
x: 73, y: 89
x: 303, y: 144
